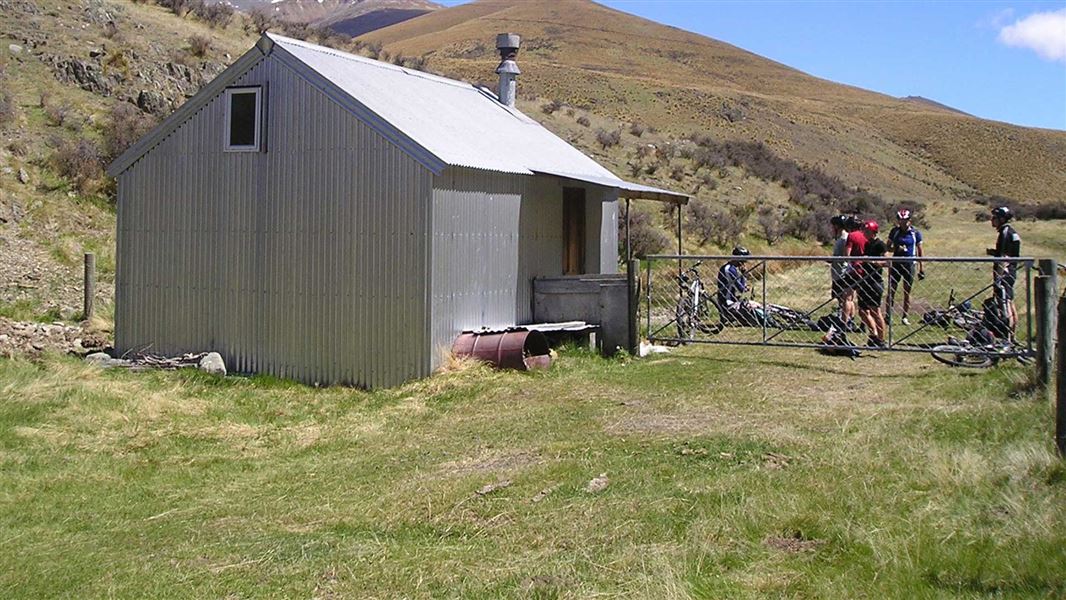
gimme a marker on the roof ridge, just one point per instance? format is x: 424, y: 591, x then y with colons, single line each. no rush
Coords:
x: 370, y: 62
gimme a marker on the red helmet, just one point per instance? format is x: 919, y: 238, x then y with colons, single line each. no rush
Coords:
x: 870, y: 226
x: 903, y: 214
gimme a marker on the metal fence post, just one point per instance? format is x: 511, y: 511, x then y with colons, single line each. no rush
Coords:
x: 648, y: 283
x: 1046, y: 291
x: 764, y: 311
x: 1060, y: 394
x: 632, y: 270
x: 89, y: 285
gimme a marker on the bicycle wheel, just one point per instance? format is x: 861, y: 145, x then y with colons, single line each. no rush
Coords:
x: 961, y: 356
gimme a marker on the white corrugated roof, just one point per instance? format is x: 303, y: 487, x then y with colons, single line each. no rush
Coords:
x: 436, y: 120
x: 460, y: 124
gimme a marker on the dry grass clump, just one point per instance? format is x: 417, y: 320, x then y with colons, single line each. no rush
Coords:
x: 199, y: 45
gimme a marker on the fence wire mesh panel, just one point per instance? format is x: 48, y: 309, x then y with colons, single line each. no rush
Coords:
x: 980, y: 306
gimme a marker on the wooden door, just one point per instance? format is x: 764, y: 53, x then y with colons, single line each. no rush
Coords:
x: 573, y: 231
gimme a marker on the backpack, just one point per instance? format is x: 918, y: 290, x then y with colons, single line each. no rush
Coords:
x: 835, y: 343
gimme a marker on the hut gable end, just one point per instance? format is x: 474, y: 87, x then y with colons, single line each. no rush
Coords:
x: 307, y: 259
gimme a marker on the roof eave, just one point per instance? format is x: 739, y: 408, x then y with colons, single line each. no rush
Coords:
x: 657, y: 195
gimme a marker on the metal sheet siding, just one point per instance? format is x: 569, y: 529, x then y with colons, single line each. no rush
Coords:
x: 492, y: 235
x: 306, y: 261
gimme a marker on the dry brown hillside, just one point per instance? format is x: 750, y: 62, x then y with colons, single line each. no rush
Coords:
x: 632, y: 69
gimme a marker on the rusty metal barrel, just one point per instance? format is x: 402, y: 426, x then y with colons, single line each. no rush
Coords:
x: 511, y: 349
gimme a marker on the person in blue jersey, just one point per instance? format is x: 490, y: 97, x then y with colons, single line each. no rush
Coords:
x: 732, y: 285
x: 904, y: 241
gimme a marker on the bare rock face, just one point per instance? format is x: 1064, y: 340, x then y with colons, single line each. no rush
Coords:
x: 152, y: 102
x: 212, y: 363
x: 87, y: 75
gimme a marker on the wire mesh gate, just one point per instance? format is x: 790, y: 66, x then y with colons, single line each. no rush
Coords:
x: 894, y: 304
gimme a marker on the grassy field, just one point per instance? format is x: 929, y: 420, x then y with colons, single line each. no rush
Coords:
x: 729, y: 473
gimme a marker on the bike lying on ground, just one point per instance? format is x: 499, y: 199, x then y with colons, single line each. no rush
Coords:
x: 965, y: 353
x: 988, y: 339
x: 750, y: 313
x: 962, y: 315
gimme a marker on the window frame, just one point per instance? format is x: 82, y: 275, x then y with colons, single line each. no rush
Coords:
x: 257, y: 146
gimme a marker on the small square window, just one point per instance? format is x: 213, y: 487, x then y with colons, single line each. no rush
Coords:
x: 244, y: 109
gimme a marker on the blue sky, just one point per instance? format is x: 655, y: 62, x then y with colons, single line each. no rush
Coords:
x: 998, y: 60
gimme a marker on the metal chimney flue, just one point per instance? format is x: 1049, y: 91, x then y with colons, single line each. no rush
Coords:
x: 507, y: 44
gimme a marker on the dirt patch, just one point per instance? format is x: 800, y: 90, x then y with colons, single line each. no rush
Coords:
x: 489, y: 463
x: 794, y: 543
x: 689, y: 422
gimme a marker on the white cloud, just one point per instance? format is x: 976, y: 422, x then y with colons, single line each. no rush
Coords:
x: 1043, y: 33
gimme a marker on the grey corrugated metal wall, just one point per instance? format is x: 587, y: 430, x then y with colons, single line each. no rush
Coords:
x: 307, y: 261
x: 492, y: 234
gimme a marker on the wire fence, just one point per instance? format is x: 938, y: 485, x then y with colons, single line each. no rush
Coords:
x: 896, y: 304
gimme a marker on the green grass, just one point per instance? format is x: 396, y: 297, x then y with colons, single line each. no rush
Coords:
x: 732, y: 474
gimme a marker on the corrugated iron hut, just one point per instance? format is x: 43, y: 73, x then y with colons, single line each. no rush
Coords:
x: 334, y: 219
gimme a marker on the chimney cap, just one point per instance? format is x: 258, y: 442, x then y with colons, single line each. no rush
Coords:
x: 508, y: 40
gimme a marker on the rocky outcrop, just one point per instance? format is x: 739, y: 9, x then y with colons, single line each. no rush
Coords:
x: 86, y: 74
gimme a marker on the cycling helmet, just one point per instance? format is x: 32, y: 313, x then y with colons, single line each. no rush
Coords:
x: 741, y: 251
x: 870, y: 226
x: 838, y: 221
x: 1003, y: 213
x: 903, y: 214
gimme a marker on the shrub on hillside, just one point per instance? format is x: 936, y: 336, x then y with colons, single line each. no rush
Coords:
x: 179, y: 7
x: 79, y: 161
x: 18, y: 148
x: 607, y: 139
x: 636, y: 129
x: 126, y: 125
x: 199, y: 45
x: 677, y: 173
x: 57, y: 114
x: 216, y: 15
x: 769, y: 220
x: 583, y: 121
x: 644, y: 236
x: 810, y: 188
x: 260, y: 20
x: 550, y: 107
x: 810, y: 224
x: 8, y: 109
x: 1040, y: 211
x: 723, y: 226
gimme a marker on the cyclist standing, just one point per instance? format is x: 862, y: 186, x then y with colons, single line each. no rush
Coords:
x: 1005, y: 273
x: 904, y: 241
x: 871, y: 287
x: 843, y: 290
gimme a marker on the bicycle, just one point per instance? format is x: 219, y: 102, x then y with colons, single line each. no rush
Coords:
x: 691, y: 311
x: 751, y: 313
x: 962, y: 315
x: 981, y: 348
x: 964, y: 353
